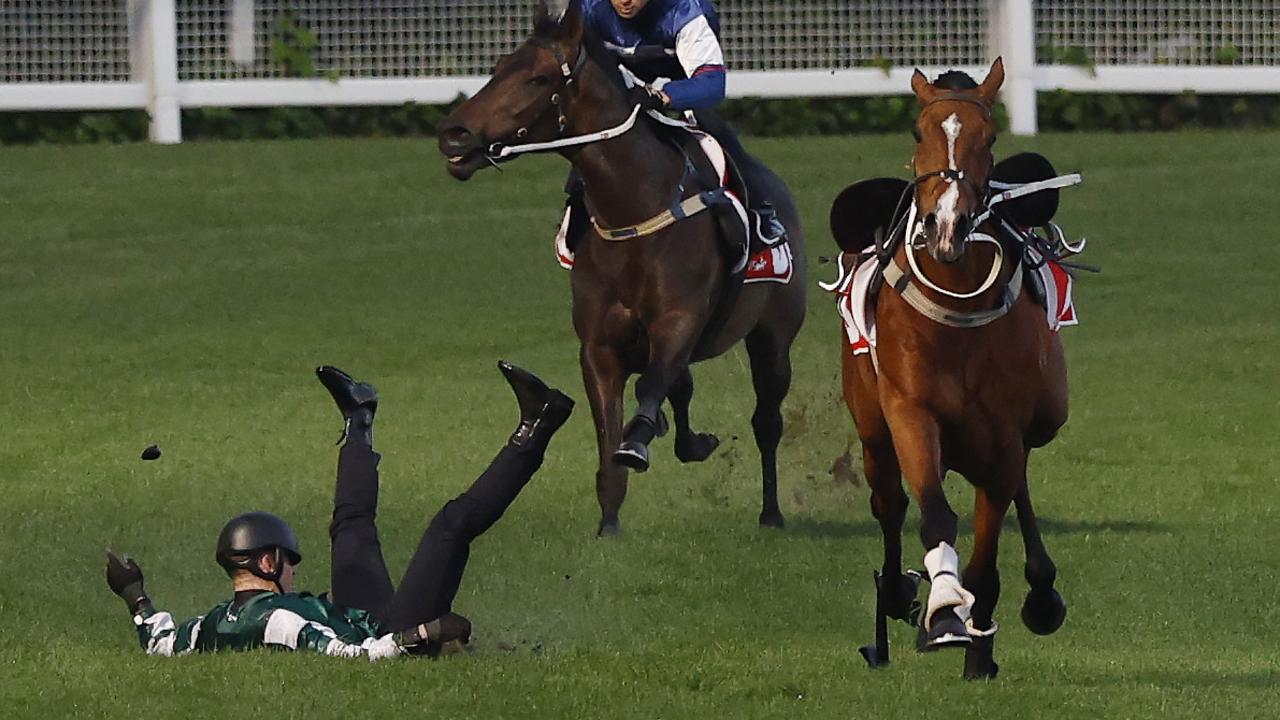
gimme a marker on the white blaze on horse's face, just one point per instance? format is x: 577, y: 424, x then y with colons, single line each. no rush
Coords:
x: 946, y: 209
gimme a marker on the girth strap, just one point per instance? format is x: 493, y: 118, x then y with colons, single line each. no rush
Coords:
x: 900, y: 280
x: 687, y: 208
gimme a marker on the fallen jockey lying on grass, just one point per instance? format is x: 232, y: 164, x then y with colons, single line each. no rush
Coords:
x: 365, y: 616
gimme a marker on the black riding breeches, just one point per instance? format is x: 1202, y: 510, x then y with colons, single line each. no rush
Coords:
x: 359, y: 575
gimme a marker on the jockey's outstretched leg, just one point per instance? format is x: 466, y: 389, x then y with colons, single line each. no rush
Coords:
x: 768, y: 226
x: 435, y: 571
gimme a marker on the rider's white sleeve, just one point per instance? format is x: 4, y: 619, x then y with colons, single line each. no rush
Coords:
x: 697, y: 47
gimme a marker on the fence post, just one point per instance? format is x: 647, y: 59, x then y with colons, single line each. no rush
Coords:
x: 240, y: 49
x: 153, y: 56
x: 1013, y: 36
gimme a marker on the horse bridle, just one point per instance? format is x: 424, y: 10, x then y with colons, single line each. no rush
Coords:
x: 948, y: 175
x: 568, y: 73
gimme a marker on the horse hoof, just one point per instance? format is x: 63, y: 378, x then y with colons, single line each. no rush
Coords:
x: 697, y: 448
x: 632, y: 455
x: 945, y: 631
x: 899, y: 599
x: 872, y: 656
x: 772, y: 519
x: 609, y: 529
x: 1044, y: 611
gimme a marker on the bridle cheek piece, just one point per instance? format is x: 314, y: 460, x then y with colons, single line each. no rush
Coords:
x: 567, y: 74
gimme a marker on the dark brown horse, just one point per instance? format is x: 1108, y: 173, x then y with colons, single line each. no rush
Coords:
x: 958, y: 381
x: 654, y: 304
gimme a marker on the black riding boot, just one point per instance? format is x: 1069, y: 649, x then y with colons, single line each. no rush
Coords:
x: 358, y: 402
x: 542, y: 410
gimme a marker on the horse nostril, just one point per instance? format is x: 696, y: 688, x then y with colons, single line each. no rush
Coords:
x: 456, y: 137
x: 931, y: 220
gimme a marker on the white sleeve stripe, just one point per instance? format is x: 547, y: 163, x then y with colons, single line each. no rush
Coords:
x: 283, y: 627
x: 161, y: 634
x: 696, y: 45
x: 195, y: 633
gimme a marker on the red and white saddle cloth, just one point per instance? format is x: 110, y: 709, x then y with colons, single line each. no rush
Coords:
x: 851, y: 290
x: 773, y: 264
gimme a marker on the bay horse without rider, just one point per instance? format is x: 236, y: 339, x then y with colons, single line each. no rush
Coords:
x: 660, y: 300
x: 966, y: 376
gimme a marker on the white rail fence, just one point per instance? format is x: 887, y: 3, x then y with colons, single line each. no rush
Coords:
x: 166, y: 55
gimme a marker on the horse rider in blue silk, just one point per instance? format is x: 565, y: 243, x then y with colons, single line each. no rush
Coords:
x: 677, y: 40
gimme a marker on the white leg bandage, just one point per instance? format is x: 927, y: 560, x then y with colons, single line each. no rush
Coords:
x: 945, y: 589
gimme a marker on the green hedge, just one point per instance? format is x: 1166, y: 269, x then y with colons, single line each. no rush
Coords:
x: 1058, y: 111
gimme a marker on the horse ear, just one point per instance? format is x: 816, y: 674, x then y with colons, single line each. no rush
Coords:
x: 548, y: 13
x: 990, y: 87
x: 921, y: 87
x: 570, y: 31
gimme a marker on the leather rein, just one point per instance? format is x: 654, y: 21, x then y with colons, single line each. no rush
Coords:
x: 678, y: 210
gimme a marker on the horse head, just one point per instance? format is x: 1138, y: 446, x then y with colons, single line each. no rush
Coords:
x: 530, y: 97
x: 954, y: 133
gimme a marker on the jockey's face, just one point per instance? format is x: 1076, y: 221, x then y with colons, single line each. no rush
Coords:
x: 629, y: 8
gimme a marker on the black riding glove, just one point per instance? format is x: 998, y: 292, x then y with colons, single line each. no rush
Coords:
x: 125, y: 579
x: 646, y: 97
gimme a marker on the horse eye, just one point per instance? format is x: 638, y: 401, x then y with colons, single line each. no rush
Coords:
x: 539, y: 80
x: 915, y: 133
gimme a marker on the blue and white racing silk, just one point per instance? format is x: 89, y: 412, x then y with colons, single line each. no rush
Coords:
x: 674, y: 39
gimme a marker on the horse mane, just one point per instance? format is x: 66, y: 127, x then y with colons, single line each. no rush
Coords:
x: 607, y: 61
x: 955, y: 80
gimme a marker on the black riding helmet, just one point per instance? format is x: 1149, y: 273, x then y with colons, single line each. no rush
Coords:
x: 247, y: 536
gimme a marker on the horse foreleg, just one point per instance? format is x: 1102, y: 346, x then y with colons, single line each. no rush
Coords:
x: 771, y: 378
x: 690, y: 446
x: 1044, y: 609
x: 916, y: 440
x: 604, y: 378
x: 671, y: 341
x: 982, y: 578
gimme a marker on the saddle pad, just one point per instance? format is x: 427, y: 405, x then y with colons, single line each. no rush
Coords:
x: 770, y: 265
x: 851, y: 292
x: 1060, y: 308
x: 858, y: 315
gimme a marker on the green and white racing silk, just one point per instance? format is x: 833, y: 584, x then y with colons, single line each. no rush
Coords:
x: 293, y: 621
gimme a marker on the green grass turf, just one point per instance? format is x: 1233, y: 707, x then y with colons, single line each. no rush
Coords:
x: 182, y: 295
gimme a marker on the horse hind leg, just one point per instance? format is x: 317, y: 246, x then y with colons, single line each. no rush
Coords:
x: 1044, y: 610
x: 771, y: 378
x: 690, y: 446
